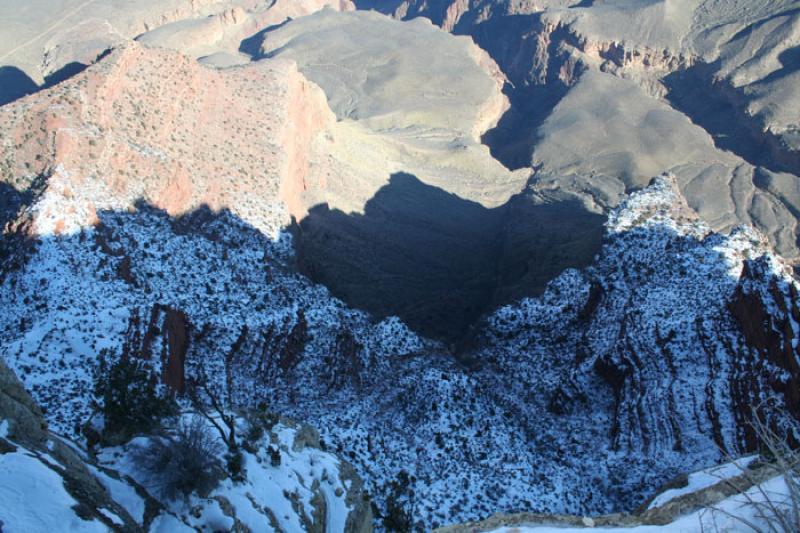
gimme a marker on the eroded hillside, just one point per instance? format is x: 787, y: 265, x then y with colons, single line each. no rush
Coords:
x: 546, y: 268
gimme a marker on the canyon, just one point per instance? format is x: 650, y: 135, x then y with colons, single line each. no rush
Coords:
x: 505, y: 256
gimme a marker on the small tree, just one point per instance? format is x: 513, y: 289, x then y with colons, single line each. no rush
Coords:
x: 129, y: 397
x: 399, y: 504
x: 208, y: 402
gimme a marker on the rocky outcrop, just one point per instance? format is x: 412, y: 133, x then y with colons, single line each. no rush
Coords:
x: 223, y: 39
x: 385, y: 99
x: 176, y: 332
x: 25, y: 433
x: 120, y: 137
x: 162, y: 337
x: 703, y: 501
x: 27, y: 424
x: 767, y: 309
x: 307, y: 115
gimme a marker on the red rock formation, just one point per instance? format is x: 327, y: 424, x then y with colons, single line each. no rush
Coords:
x: 170, y: 327
x: 176, y: 344
x: 769, y: 322
x: 156, y: 125
x: 295, y: 344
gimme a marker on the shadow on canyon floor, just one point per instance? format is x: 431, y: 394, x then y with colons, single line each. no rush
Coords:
x: 538, y: 70
x: 251, y: 46
x: 15, y: 83
x: 512, y: 141
x: 438, y: 261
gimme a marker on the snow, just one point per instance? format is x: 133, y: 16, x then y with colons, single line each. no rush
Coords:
x: 704, y: 478
x: 4, y: 429
x: 122, y: 493
x: 283, y: 493
x: 111, y: 516
x: 166, y: 523
x: 34, y: 499
x: 271, y: 486
x: 731, y: 514
x: 211, y: 518
x: 389, y: 401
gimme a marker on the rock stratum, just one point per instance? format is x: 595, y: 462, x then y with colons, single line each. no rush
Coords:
x: 545, y: 264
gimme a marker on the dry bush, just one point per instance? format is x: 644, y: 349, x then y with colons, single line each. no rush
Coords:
x: 185, y: 463
x: 771, y: 511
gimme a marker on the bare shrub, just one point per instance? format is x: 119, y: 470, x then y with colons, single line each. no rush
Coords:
x: 771, y: 511
x: 185, y: 463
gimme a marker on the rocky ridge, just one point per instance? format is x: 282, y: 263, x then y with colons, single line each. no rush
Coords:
x: 74, y: 136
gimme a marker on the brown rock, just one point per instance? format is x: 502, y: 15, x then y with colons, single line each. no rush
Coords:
x: 767, y: 322
x: 176, y: 343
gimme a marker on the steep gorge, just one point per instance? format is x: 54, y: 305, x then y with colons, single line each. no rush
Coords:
x: 599, y: 318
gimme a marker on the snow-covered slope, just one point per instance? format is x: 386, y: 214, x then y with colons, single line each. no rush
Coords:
x: 584, y: 400
x: 734, y: 513
x: 48, y: 483
x: 742, y: 494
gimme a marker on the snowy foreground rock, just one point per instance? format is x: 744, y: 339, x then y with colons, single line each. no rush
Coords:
x: 582, y: 401
x: 48, y: 483
x: 736, y: 496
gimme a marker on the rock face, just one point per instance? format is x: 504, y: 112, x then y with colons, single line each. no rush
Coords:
x: 607, y: 136
x: 641, y: 355
x: 115, y: 134
x: 165, y: 335
x: 765, y: 306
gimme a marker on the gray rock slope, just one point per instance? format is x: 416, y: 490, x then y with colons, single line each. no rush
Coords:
x: 593, y: 84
